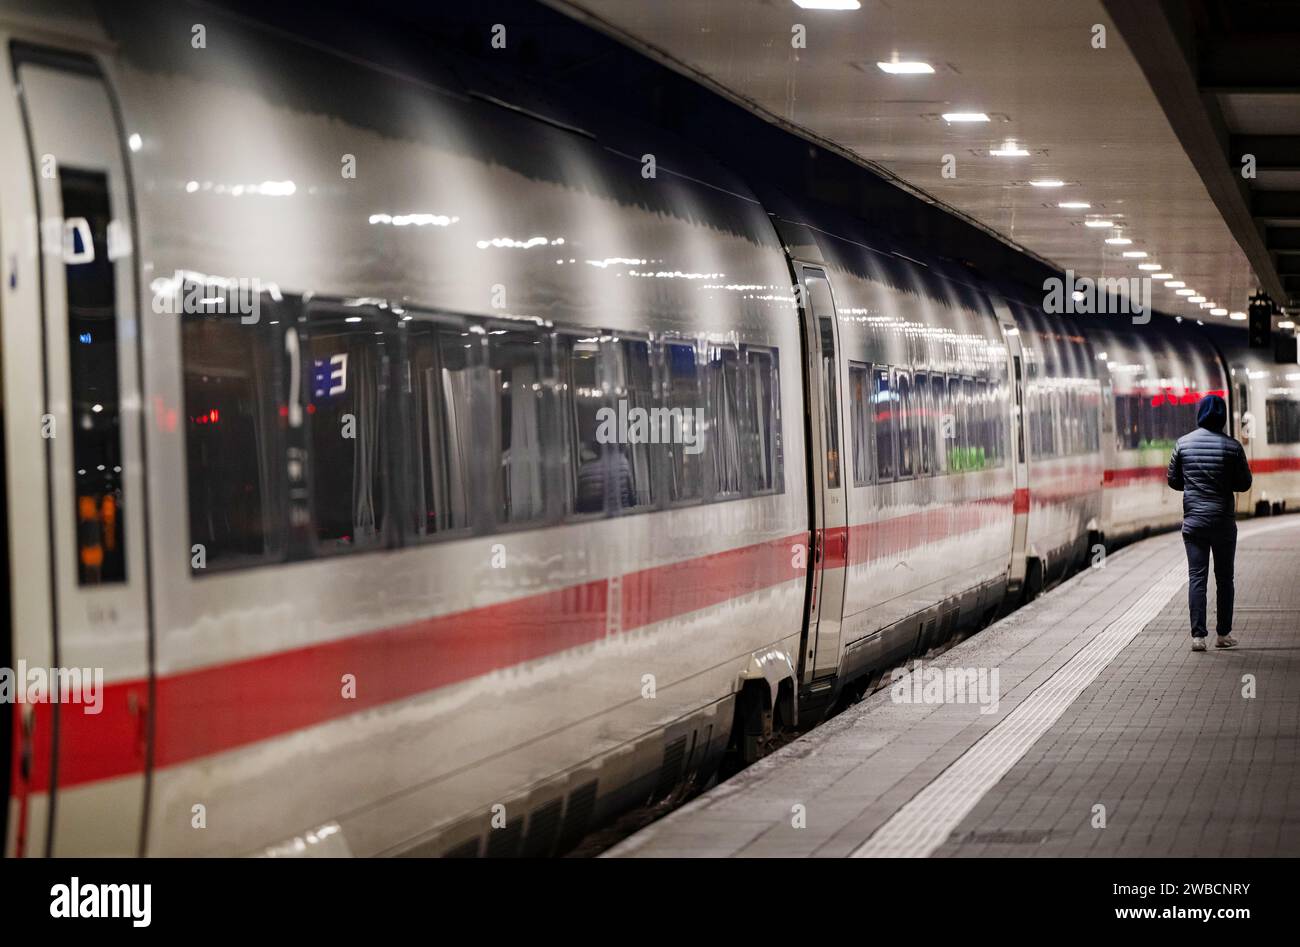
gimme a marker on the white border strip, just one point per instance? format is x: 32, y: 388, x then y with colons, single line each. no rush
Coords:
x: 926, y: 821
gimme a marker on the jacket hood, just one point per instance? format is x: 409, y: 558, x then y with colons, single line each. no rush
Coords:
x: 1212, y: 413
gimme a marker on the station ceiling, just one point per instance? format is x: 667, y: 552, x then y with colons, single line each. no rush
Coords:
x: 1144, y: 129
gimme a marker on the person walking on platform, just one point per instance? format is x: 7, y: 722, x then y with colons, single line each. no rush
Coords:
x: 1208, y: 466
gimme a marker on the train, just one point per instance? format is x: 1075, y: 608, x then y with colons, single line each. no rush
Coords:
x: 436, y: 469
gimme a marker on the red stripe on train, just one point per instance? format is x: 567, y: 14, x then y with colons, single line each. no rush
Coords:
x: 217, y: 708
x: 1274, y: 464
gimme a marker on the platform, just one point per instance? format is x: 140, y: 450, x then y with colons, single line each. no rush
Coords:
x: 1109, y: 737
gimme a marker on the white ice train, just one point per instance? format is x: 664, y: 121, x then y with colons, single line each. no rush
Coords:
x: 358, y: 569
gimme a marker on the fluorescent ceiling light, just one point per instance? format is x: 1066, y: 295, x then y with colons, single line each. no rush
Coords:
x: 1185, y: 292
x: 1074, y: 205
x: 1196, y: 299
x: 1118, y: 241
x: 1009, y: 149
x: 1149, y: 266
x: 1224, y: 312
x: 1048, y: 182
x: 1099, y: 223
x: 828, y: 4
x: 1237, y: 316
x: 951, y: 117
x: 1284, y: 324
x: 1135, y: 254
x: 1175, y: 284
x: 1162, y: 275
x: 913, y: 68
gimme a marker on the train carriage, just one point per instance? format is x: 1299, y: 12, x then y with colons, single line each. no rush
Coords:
x: 432, y: 466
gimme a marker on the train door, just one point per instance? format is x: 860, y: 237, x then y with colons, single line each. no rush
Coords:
x: 89, y: 747
x: 1020, y: 461
x: 1245, y: 428
x: 821, y: 654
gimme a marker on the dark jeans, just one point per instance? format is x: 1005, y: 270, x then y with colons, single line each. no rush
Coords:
x: 1223, y: 544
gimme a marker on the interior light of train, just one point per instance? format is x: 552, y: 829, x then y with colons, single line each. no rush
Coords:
x: 1099, y: 223
x: 1009, y: 149
x: 1196, y: 299
x: 509, y: 243
x: 1224, y: 312
x: 1134, y: 254
x: 618, y: 259
x: 828, y: 4
x: 1286, y: 324
x: 1175, y: 284
x: 906, y: 68
x: 1237, y: 316
x: 1149, y: 266
x: 1047, y: 182
x: 414, y: 220
x: 1162, y: 275
x: 953, y: 117
x: 1185, y: 292
x: 1074, y: 205
x: 1118, y: 241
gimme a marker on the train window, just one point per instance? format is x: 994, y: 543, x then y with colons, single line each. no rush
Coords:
x: 1147, y: 422
x: 345, y: 368
x: 682, y: 394
x: 924, y: 423
x: 92, y: 370
x: 959, y: 441
x: 974, y: 420
x: 515, y: 376
x: 945, y: 425
x: 830, y: 402
x: 860, y: 402
x: 1282, y: 418
x: 763, y: 392
x: 906, y: 419
x: 440, y: 363
x: 1124, y: 425
x: 233, y: 452
x: 1000, y: 409
x: 582, y: 395
x: 633, y: 387
x: 723, y: 377
x: 885, y: 415
x: 988, y: 419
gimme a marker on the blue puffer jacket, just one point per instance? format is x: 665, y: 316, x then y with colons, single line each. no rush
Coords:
x: 1208, y: 466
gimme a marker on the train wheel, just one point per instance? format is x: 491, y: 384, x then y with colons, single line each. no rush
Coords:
x: 751, y: 730
x: 1035, y: 575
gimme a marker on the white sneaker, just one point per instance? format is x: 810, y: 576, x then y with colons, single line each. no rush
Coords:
x: 1198, y: 644
x: 1225, y: 641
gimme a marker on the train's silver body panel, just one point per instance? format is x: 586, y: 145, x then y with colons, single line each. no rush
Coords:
x: 379, y: 701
